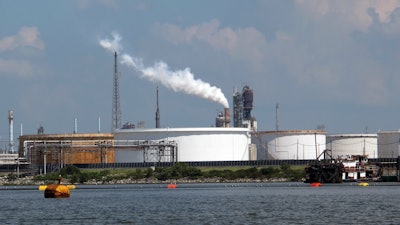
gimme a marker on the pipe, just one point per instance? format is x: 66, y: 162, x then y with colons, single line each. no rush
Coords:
x: 76, y: 126
x: 227, y: 117
x: 11, y: 123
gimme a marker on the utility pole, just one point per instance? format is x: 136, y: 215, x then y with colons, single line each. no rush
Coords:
x: 277, y: 117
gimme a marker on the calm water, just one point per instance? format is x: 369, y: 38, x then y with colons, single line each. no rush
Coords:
x: 278, y: 203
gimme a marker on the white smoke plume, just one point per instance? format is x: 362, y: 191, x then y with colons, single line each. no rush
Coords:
x: 178, y: 81
x: 112, y: 45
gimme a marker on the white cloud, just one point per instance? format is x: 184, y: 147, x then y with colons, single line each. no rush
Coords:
x: 85, y: 4
x: 26, y: 37
x: 20, y: 68
x: 355, y: 14
x: 330, y: 47
x: 245, y: 44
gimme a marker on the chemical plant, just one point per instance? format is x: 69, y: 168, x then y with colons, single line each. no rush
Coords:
x: 239, y: 141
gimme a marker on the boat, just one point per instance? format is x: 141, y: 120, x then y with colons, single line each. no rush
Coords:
x: 354, y: 167
x: 324, y: 170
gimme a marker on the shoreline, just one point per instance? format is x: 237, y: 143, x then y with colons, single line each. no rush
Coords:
x: 26, y: 181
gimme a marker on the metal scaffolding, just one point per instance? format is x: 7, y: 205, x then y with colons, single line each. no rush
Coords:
x: 52, y: 155
x: 153, y: 151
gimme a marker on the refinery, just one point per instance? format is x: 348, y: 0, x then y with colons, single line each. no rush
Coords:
x: 233, y: 138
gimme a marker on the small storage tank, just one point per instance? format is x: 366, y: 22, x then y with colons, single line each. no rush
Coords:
x: 289, y: 144
x: 353, y: 144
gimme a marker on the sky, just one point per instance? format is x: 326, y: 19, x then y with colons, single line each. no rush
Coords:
x: 327, y: 63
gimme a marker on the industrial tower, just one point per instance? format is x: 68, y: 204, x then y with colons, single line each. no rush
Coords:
x: 242, y: 106
x: 116, y: 111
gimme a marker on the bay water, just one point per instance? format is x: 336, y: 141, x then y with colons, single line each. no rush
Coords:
x: 220, y: 203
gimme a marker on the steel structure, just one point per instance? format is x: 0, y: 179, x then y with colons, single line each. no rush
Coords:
x: 242, y: 106
x: 52, y: 155
x: 247, y: 102
x: 157, y: 113
x: 116, y: 110
x: 153, y: 151
x: 237, y: 109
x: 324, y: 170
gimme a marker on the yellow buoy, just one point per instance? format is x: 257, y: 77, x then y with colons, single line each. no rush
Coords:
x: 42, y: 187
x: 71, y: 186
x: 56, y: 191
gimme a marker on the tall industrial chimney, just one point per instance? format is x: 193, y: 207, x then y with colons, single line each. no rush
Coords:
x: 157, y: 113
x: 76, y: 126
x: 11, y: 123
x: 227, y: 117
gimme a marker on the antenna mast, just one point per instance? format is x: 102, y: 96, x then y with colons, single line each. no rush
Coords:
x: 277, y: 117
x: 157, y: 113
x: 116, y: 111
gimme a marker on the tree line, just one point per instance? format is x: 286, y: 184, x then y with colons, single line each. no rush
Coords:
x: 177, y: 171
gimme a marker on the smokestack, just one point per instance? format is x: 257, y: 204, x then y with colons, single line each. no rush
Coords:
x: 76, y: 126
x: 11, y: 123
x: 99, y: 121
x: 227, y: 117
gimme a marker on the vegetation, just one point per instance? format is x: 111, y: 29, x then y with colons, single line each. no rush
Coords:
x: 178, y: 171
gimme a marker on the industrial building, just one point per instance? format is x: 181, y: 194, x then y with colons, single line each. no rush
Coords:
x: 242, y: 106
x: 353, y: 144
x: 50, y: 152
x: 289, y: 144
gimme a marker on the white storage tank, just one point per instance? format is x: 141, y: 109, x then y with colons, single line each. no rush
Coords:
x: 289, y: 144
x: 388, y: 144
x: 353, y: 144
x: 193, y: 144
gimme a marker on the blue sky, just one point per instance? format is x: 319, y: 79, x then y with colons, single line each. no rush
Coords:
x: 326, y: 62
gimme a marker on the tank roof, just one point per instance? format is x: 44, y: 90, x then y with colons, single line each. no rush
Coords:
x: 292, y: 132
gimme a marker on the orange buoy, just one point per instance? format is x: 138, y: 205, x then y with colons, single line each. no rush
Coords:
x: 171, y: 186
x: 56, y: 191
x: 315, y: 184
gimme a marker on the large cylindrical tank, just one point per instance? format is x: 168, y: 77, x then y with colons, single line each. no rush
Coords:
x: 289, y: 144
x: 193, y: 144
x: 388, y: 144
x: 353, y: 144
